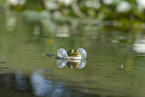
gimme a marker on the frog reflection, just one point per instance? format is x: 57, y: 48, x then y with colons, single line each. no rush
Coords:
x: 71, y: 63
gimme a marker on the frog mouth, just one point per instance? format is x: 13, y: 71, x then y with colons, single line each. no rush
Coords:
x: 74, y: 54
x: 78, y: 57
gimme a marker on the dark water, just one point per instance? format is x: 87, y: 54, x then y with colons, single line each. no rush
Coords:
x: 115, y: 65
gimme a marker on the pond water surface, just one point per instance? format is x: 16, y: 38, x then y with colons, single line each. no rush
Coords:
x: 115, y: 65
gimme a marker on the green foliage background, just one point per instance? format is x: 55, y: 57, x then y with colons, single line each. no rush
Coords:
x: 88, y: 9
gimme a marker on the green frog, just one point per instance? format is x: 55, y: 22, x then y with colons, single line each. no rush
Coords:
x: 73, y: 54
x: 72, y: 58
x: 70, y: 55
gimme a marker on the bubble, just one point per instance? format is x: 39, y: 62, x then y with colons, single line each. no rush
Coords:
x: 62, y: 53
x: 83, y: 52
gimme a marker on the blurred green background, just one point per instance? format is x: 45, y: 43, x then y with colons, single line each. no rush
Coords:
x: 89, y: 9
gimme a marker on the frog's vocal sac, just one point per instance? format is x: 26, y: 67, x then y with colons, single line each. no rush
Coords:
x: 72, y: 54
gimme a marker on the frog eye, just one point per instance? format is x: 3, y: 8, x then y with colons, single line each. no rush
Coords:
x: 83, y: 52
x: 62, y: 53
x: 61, y: 63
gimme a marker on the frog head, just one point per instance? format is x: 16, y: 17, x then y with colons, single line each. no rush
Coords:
x: 73, y: 52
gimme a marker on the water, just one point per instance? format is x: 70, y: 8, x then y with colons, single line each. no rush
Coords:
x: 115, y: 65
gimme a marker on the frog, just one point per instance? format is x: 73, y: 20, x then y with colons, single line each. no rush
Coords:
x: 74, y: 58
x: 73, y: 54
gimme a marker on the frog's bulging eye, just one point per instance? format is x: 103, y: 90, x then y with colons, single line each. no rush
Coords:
x: 62, y: 53
x: 83, y: 53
